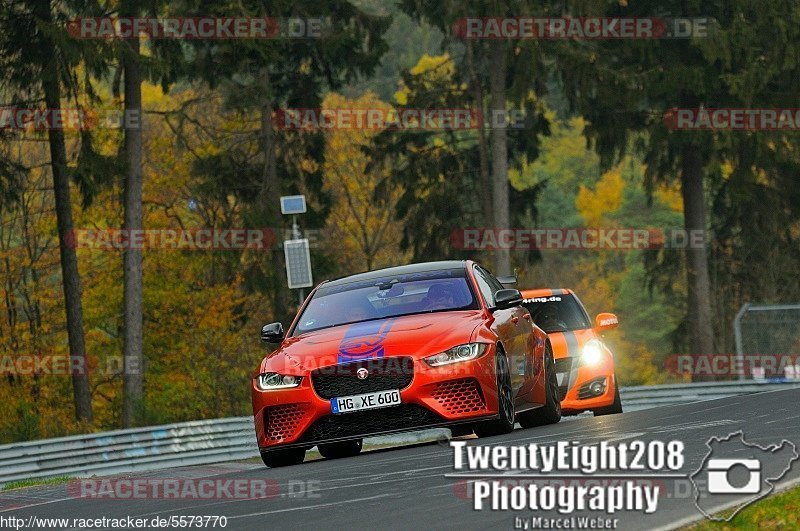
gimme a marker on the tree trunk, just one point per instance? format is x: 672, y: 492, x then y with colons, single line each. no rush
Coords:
x: 483, y: 153
x: 269, y: 199
x: 497, y: 72
x: 133, y: 356
x: 701, y: 338
x: 70, y: 276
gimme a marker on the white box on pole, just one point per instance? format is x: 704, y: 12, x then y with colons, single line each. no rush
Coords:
x: 293, y: 204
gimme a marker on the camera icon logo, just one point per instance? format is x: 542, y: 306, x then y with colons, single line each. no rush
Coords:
x: 726, y: 481
x: 718, y: 476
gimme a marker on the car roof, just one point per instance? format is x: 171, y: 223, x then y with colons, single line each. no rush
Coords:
x: 545, y: 292
x: 423, y: 267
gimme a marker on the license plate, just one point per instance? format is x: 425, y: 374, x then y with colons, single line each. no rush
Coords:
x: 560, y: 377
x: 347, y: 404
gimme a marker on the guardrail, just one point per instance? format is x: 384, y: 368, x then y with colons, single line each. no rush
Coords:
x: 219, y: 440
x: 133, y: 450
x: 643, y: 397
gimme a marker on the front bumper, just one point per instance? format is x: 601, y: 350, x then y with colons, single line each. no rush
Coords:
x: 576, y: 385
x: 436, y: 397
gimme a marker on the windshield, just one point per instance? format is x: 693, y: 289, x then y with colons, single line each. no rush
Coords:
x: 557, y: 313
x: 390, y: 296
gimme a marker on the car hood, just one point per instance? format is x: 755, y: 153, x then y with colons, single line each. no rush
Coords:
x: 569, y: 343
x: 411, y: 335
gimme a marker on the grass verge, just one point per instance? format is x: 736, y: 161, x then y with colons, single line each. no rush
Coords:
x: 25, y: 483
x: 776, y: 511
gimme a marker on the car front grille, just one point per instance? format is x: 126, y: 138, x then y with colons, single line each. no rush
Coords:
x: 342, y: 380
x: 563, y: 365
x: 365, y: 423
x: 281, y: 422
x: 459, y: 396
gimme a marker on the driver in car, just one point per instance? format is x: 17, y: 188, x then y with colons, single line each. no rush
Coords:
x: 439, y: 297
x: 359, y: 311
x: 549, y: 319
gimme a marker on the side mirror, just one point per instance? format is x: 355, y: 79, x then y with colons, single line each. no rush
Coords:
x: 507, y: 298
x: 605, y: 321
x: 272, y: 333
x: 510, y: 280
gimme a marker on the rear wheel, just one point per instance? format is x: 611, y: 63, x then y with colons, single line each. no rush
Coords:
x: 614, y: 408
x: 550, y: 413
x: 283, y: 457
x: 338, y: 450
x: 505, y: 401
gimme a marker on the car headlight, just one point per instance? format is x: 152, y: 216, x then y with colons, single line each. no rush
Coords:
x: 592, y: 352
x: 273, y: 380
x: 470, y: 351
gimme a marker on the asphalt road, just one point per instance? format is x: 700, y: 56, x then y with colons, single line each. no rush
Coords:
x: 406, y: 488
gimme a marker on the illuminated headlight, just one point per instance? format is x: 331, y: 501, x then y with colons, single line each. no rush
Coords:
x: 470, y: 351
x: 592, y: 353
x: 273, y: 380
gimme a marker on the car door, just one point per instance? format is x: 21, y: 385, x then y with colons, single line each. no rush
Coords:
x: 509, y: 325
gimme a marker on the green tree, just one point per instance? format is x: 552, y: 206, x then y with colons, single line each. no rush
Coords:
x: 133, y: 355
x: 258, y: 77
x: 38, y: 63
x: 626, y: 87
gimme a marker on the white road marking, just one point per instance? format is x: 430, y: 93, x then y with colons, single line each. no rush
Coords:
x: 318, y: 506
x: 20, y: 507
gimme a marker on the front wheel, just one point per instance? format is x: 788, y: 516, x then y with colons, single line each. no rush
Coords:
x: 283, y: 457
x: 550, y: 413
x: 505, y: 401
x: 338, y: 450
x: 460, y: 431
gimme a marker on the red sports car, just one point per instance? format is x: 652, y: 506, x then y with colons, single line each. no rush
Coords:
x: 440, y: 344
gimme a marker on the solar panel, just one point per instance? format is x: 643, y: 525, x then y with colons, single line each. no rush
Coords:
x: 298, y: 263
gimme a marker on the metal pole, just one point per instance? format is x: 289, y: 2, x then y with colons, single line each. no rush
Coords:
x: 296, y: 236
x: 737, y: 331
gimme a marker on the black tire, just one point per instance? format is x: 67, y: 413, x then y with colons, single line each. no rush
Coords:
x: 283, y: 457
x: 550, y: 413
x: 338, y: 450
x: 614, y: 408
x: 505, y: 399
x: 461, y: 431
